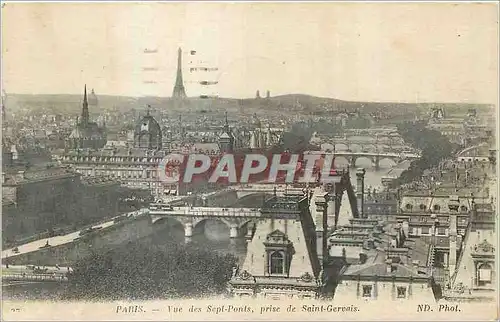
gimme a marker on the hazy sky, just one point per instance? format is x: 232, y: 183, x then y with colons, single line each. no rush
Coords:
x: 351, y: 51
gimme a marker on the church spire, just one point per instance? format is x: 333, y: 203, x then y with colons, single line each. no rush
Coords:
x: 85, y: 109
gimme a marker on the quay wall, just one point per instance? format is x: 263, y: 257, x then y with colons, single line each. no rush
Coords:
x: 101, y: 240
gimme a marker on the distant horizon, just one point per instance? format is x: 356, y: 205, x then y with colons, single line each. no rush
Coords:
x: 365, y: 52
x: 253, y: 98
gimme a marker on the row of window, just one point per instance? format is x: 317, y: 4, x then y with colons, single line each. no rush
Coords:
x: 121, y: 173
x: 434, y: 208
x: 401, y: 291
x: 112, y: 159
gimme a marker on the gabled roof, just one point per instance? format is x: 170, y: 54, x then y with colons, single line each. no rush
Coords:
x: 380, y: 269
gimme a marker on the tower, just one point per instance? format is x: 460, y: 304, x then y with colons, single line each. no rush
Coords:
x: 226, y: 139
x: 85, y: 108
x: 179, y: 90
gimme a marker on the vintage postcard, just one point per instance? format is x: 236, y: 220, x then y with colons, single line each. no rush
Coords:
x: 249, y: 161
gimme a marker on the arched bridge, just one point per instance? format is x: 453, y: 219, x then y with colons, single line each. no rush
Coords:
x: 375, y: 158
x: 475, y: 151
x: 190, y: 217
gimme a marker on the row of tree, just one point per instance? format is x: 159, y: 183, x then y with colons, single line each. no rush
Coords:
x: 435, y: 147
x: 141, y: 272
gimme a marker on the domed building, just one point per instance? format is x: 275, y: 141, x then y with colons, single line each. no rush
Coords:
x: 86, y: 134
x: 93, y: 101
x: 226, y: 139
x: 148, y: 134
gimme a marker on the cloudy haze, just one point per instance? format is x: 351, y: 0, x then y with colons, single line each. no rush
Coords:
x: 376, y: 52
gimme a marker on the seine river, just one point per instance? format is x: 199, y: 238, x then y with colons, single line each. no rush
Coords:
x: 214, y: 237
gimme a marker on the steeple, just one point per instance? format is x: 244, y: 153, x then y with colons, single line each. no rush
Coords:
x: 179, y: 90
x: 85, y: 109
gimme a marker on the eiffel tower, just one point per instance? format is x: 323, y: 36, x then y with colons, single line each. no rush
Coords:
x: 179, y: 90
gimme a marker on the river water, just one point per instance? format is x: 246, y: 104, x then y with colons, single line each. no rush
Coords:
x: 213, y: 235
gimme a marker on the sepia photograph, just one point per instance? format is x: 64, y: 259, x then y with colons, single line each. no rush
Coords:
x: 249, y: 161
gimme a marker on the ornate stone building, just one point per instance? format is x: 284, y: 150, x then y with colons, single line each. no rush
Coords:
x: 148, y: 134
x: 476, y: 277
x: 226, y: 139
x: 133, y: 166
x: 47, y: 198
x: 284, y: 257
x: 86, y: 134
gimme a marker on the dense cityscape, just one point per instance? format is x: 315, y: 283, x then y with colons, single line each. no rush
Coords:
x: 410, y: 214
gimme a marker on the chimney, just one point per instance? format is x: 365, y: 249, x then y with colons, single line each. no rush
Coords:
x: 20, y: 174
x: 406, y: 228
x: 400, y: 239
x: 453, y: 205
x: 321, y: 226
x: 360, y: 189
x: 388, y: 264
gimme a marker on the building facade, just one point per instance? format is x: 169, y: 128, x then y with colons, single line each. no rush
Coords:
x: 283, y: 256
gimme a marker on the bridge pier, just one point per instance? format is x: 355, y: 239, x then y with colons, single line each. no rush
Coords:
x: 377, y: 163
x: 352, y: 164
x: 233, y: 232
x: 188, y: 230
x: 250, y: 229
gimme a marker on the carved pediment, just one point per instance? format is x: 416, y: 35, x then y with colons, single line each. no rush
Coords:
x: 306, y: 277
x: 277, y: 237
x: 245, y: 275
x: 484, y: 247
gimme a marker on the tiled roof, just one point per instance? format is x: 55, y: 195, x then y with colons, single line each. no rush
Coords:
x: 379, y: 269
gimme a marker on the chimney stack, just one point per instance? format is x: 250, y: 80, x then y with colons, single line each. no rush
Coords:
x: 453, y: 206
x: 321, y: 226
x: 406, y: 228
x: 388, y: 264
x: 360, y: 190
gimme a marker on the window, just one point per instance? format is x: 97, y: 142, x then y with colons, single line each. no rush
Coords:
x: 425, y: 230
x: 367, y: 291
x: 401, y: 292
x: 484, y: 275
x: 277, y: 263
x: 441, y: 231
x: 278, y: 252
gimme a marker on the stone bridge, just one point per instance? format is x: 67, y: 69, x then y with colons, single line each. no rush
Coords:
x: 374, y: 157
x: 475, y: 152
x: 265, y: 188
x: 191, y: 217
x: 241, y: 219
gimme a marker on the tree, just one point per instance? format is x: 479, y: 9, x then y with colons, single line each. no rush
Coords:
x: 434, y: 146
x: 140, y: 272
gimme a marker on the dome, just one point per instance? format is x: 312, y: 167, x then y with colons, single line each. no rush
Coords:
x: 147, y: 133
x: 92, y: 100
